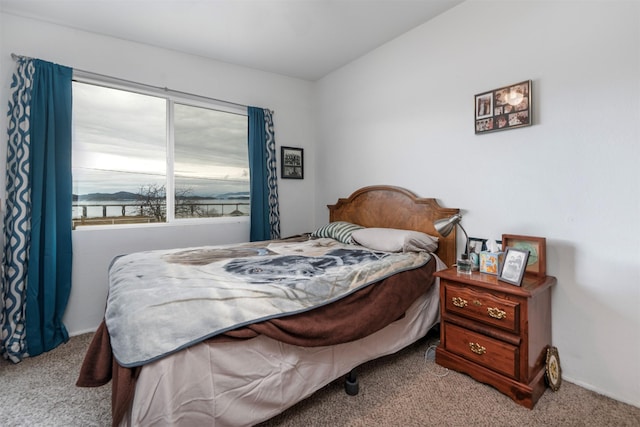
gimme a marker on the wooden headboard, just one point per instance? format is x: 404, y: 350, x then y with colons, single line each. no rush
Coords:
x: 394, y: 207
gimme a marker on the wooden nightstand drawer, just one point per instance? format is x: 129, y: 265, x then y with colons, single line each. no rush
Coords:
x: 496, y: 332
x: 482, y: 306
x: 491, y: 353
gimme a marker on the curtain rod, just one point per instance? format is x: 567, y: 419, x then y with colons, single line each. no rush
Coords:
x: 96, y: 76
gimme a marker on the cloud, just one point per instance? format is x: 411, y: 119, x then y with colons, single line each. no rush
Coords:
x: 119, y: 143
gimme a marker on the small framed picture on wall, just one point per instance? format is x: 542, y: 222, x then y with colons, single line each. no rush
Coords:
x: 504, y: 108
x: 292, y: 163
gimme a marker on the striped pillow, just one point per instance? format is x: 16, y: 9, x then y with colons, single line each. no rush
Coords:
x: 338, y: 230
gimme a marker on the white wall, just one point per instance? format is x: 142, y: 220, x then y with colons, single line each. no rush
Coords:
x: 94, y: 249
x: 403, y: 115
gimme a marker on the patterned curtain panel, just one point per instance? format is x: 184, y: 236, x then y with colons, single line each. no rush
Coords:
x: 272, y: 176
x: 36, y: 263
x: 265, y: 215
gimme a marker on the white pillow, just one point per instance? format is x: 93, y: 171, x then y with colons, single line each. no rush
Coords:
x: 395, y: 240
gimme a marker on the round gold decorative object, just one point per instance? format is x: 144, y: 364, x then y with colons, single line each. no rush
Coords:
x: 553, y: 371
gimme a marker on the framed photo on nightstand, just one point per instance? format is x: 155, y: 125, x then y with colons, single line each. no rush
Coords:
x: 537, y: 248
x: 515, y: 263
x: 476, y: 245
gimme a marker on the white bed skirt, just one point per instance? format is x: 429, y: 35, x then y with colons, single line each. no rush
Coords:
x: 246, y: 382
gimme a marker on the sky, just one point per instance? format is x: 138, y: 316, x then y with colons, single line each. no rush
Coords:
x: 119, y: 144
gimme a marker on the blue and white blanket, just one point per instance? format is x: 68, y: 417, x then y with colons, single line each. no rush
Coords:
x: 163, y: 301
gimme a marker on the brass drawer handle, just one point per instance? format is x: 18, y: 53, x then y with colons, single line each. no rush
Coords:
x: 459, y: 302
x: 496, y: 313
x: 477, y: 348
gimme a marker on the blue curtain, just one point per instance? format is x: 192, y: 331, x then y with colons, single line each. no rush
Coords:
x: 265, y: 215
x: 37, y: 256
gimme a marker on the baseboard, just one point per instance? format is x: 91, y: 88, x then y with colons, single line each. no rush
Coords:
x: 82, y: 332
x: 594, y: 389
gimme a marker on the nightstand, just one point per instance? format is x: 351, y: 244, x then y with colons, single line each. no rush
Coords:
x: 496, y: 332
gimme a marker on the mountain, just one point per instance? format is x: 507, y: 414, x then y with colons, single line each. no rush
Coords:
x: 125, y: 195
x: 98, y: 197
x: 236, y: 195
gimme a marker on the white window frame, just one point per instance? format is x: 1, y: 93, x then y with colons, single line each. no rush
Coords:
x: 171, y: 97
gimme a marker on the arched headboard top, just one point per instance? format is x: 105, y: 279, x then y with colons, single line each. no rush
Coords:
x: 395, y: 207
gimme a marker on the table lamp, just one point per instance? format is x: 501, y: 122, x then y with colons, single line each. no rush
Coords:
x: 444, y: 227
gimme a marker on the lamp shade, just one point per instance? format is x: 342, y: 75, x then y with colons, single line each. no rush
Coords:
x: 445, y: 226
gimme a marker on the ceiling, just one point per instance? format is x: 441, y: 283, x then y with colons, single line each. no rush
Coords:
x: 306, y: 39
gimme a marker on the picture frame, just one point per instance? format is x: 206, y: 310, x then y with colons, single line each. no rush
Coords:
x: 476, y: 245
x: 292, y: 163
x: 508, y: 107
x: 514, y: 265
x: 537, y: 248
x: 498, y: 244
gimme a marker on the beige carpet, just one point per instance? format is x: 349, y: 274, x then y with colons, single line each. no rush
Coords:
x: 404, y: 389
x: 41, y: 391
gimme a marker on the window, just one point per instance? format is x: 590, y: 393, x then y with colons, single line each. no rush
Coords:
x: 148, y: 158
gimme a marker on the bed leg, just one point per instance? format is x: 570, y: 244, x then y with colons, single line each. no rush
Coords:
x: 351, y: 383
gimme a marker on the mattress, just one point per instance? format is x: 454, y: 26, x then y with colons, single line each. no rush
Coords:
x: 242, y: 383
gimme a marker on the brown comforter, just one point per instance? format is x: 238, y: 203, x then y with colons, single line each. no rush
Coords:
x: 353, y: 317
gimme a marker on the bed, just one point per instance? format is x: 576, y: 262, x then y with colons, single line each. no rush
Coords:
x: 246, y: 372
